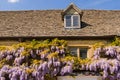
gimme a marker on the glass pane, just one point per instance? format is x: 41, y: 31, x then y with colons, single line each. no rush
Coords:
x: 68, y: 21
x: 83, y: 53
x: 73, y: 51
x: 75, y: 21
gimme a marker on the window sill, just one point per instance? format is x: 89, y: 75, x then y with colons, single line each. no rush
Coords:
x: 72, y: 27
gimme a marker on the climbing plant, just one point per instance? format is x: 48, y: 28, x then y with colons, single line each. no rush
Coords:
x: 47, y: 59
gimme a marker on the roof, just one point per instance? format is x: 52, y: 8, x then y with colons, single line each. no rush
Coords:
x: 44, y: 23
x: 72, y: 6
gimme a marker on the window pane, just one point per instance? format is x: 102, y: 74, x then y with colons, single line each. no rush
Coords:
x: 83, y: 53
x: 73, y: 51
x: 75, y: 20
x: 68, y: 21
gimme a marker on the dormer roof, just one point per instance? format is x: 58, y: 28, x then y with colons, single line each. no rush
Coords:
x: 72, y: 6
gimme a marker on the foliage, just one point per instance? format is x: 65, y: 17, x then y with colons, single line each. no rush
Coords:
x: 37, y: 60
x: 116, y: 42
x: 44, y: 60
x: 107, y: 65
x: 97, y: 45
x: 105, y: 61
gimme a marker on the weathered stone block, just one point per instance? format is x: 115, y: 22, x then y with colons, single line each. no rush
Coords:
x: 79, y: 77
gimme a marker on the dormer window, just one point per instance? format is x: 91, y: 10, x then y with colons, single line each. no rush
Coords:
x: 72, y: 21
x: 72, y: 17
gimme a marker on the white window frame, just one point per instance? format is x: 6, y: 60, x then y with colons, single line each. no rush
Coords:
x: 72, y: 21
x: 78, y: 50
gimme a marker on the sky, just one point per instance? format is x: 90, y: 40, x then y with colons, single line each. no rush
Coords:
x: 8, y: 5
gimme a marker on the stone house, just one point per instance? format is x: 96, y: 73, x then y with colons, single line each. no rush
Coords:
x: 81, y: 28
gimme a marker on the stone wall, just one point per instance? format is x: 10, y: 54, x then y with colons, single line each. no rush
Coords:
x: 86, y: 44
x: 79, y: 78
x: 72, y: 43
x: 8, y: 42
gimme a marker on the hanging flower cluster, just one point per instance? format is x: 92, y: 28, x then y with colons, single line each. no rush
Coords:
x: 44, y: 60
x: 34, y: 61
x: 107, y: 62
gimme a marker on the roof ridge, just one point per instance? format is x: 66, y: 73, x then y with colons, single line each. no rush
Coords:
x: 32, y: 10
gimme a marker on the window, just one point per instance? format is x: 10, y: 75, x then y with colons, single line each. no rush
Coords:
x: 72, y: 21
x: 79, y: 52
x: 75, y: 21
x: 73, y: 51
x: 83, y: 53
x: 68, y: 21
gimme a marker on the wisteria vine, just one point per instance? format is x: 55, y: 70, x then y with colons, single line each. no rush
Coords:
x: 44, y: 60
x: 34, y: 61
x: 106, y: 61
